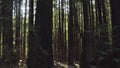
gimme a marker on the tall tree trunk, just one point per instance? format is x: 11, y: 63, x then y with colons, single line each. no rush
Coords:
x: 115, y: 9
x: 1, y: 23
x: 17, y: 32
x: 86, y: 42
x: 42, y: 50
x: 70, y: 34
x: 30, y: 62
x: 7, y: 32
x: 23, y: 46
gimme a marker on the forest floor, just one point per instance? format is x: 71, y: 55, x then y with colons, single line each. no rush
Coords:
x: 56, y: 65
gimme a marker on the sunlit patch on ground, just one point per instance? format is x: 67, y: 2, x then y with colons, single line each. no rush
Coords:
x: 64, y: 65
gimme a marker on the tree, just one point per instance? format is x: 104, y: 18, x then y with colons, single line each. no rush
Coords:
x: 70, y: 34
x: 115, y: 10
x: 17, y: 27
x: 1, y: 25
x: 85, y: 63
x: 42, y: 50
x: 0, y: 32
x: 30, y: 35
x: 7, y: 7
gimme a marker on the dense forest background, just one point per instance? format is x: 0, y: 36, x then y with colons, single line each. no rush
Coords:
x: 59, y: 33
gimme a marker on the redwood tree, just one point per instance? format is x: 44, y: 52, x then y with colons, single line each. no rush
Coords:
x: 41, y: 55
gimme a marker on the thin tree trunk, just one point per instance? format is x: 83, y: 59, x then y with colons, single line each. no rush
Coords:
x: 17, y: 27
x: 70, y: 34
x: 30, y: 62
x: 1, y: 25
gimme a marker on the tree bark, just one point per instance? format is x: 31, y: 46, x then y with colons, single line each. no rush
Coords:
x: 41, y: 55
